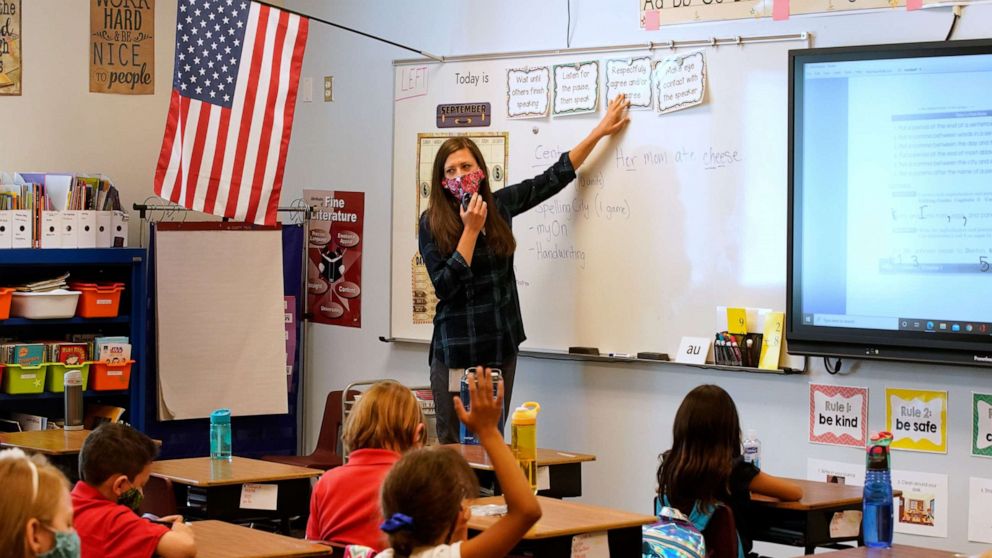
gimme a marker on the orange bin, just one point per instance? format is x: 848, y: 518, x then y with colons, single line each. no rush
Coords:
x: 105, y: 376
x: 6, y: 294
x: 98, y: 301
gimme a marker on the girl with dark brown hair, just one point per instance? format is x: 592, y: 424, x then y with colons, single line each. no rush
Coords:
x: 467, y: 246
x: 704, y: 470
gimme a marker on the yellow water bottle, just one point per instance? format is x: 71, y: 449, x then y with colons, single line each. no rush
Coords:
x: 523, y: 429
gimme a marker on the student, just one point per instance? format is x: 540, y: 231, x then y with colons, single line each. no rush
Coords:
x: 467, y: 246
x: 344, y: 508
x: 424, y: 496
x: 115, y: 463
x: 35, y: 510
x: 704, y: 469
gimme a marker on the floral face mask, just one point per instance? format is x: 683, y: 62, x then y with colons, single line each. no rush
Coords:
x: 466, y: 184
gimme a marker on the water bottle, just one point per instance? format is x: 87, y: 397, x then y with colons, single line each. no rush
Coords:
x: 877, y: 521
x: 466, y: 436
x: 73, y: 392
x: 523, y: 427
x: 220, y: 434
x: 752, y: 449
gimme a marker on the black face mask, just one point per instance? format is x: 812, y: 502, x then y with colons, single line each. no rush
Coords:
x: 132, y: 498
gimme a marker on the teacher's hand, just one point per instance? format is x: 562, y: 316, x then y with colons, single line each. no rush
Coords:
x: 474, y: 217
x: 616, y: 117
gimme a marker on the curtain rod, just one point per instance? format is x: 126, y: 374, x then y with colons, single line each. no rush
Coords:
x: 356, y: 31
x: 739, y: 40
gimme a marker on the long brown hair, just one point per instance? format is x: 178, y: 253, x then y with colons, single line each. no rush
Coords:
x: 386, y: 417
x: 428, y: 485
x: 706, y: 437
x: 20, y: 504
x: 443, y: 215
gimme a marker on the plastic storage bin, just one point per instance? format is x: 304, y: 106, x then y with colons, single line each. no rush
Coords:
x: 55, y: 379
x: 109, y: 377
x: 98, y: 300
x: 19, y: 379
x: 45, y: 306
x: 5, y: 296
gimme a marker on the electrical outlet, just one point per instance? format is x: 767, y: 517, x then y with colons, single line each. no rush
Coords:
x: 328, y: 89
x: 307, y: 90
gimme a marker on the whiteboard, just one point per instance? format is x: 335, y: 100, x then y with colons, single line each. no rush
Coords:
x: 681, y: 213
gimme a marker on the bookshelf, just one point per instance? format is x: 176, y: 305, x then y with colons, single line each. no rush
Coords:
x: 123, y: 265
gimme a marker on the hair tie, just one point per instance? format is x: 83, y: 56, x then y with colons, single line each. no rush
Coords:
x: 17, y: 453
x: 398, y: 522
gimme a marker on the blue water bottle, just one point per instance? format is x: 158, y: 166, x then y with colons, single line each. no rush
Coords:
x: 877, y: 522
x: 466, y: 436
x: 220, y: 434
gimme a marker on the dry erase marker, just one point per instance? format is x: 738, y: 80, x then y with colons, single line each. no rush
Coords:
x: 620, y: 355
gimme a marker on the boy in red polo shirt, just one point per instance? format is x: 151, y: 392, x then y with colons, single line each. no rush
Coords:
x: 115, y: 463
x: 344, y: 508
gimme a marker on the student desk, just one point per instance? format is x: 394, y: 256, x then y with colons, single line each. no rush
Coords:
x: 897, y: 551
x: 211, y: 489
x: 48, y: 442
x: 561, y: 520
x: 805, y: 523
x: 564, y: 469
x: 217, y: 539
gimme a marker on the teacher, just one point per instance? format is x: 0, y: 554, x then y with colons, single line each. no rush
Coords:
x: 467, y: 246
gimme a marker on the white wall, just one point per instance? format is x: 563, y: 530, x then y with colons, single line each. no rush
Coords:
x: 621, y: 413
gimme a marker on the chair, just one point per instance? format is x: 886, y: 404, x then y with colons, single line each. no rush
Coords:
x: 160, y: 498
x: 327, y: 454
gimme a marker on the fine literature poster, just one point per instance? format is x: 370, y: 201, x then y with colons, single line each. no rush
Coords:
x: 10, y: 47
x: 122, y: 46
x: 334, y: 254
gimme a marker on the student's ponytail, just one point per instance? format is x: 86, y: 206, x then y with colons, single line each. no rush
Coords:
x: 422, y: 498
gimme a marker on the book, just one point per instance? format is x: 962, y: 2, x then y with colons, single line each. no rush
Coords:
x: 99, y: 414
x: 115, y: 353
x: 70, y: 353
x: 30, y: 422
x: 29, y: 354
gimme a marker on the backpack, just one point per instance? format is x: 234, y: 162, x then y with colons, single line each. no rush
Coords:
x: 673, y: 536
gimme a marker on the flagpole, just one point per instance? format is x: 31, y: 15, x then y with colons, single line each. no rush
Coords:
x: 356, y: 31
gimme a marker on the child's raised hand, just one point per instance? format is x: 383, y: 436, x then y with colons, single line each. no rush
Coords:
x: 485, y: 409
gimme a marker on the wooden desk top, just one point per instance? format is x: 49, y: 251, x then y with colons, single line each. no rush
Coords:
x: 477, y: 458
x: 897, y: 550
x: 203, y: 471
x: 48, y: 442
x: 562, y: 518
x: 219, y: 539
x: 818, y: 495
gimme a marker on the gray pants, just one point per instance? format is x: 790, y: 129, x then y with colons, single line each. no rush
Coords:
x: 444, y: 404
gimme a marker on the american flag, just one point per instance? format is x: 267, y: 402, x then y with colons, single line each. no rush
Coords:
x: 233, y: 94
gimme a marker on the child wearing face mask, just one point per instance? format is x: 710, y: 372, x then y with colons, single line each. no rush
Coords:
x: 115, y: 463
x: 35, y: 510
x: 467, y: 244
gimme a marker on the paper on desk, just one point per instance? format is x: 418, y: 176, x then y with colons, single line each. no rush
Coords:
x: 845, y: 524
x: 259, y: 496
x: 591, y: 545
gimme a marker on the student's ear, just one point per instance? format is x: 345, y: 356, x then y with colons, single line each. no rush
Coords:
x: 34, y: 537
x: 419, y: 436
x: 120, y: 484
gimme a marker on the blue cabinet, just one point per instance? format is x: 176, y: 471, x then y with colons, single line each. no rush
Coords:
x: 121, y: 265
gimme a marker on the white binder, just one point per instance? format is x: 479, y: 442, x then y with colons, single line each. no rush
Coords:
x: 70, y: 228
x: 22, y: 224
x: 119, y: 229
x: 51, y: 229
x: 104, y: 224
x: 6, y: 229
x: 87, y: 230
